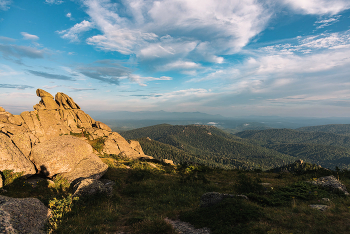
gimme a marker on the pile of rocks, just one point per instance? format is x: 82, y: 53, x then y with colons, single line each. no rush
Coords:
x: 39, y: 142
x: 331, y: 183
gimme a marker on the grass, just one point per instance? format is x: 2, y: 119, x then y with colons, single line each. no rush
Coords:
x: 146, y: 192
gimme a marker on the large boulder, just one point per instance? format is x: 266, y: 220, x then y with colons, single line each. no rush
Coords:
x: 46, y: 102
x: 23, y: 215
x: 12, y: 158
x: 65, y: 102
x: 116, y: 144
x: 331, y: 183
x: 21, y: 136
x: 102, y: 126
x: 89, y: 187
x: 91, y: 167
x: 68, y: 156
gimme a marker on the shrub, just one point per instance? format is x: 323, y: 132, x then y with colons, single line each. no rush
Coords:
x: 246, y: 185
x: 59, y: 207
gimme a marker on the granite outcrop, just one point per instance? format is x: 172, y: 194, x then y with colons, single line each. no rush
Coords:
x: 54, y: 138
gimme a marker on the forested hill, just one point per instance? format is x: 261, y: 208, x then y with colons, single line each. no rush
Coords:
x: 295, y: 136
x: 208, y: 145
x: 324, y: 148
x: 342, y: 129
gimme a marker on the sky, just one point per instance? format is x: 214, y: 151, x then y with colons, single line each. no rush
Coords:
x: 229, y: 57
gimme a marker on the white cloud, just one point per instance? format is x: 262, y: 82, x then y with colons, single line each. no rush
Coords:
x: 73, y: 33
x: 28, y: 36
x: 327, y: 22
x: 319, y: 7
x: 180, y: 65
x: 69, y: 15
x: 54, y: 1
x: 141, y: 80
x: 4, y: 4
x: 174, y: 28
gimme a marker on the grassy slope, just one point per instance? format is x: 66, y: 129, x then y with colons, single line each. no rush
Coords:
x: 146, y: 193
x: 210, y: 145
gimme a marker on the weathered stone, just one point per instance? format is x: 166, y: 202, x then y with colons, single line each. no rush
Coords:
x: 16, y: 119
x: 102, y: 126
x: 91, y: 167
x: 12, y: 158
x: 95, y: 133
x: 32, y: 121
x: 319, y: 207
x: 136, y: 146
x: 83, y: 119
x: 2, y: 109
x: 213, y: 198
x: 69, y: 157
x: 65, y: 102
x: 116, y: 144
x: 168, y: 161
x: 21, y: 136
x: 23, y: 215
x: 46, y: 102
x: 59, y: 155
x: 51, y: 124
x: 331, y: 183
x: 89, y: 187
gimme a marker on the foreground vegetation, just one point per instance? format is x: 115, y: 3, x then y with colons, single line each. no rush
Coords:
x: 148, y: 191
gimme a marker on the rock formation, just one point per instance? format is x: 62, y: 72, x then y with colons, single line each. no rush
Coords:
x: 22, y: 215
x: 35, y: 141
x: 331, y: 183
x: 68, y: 156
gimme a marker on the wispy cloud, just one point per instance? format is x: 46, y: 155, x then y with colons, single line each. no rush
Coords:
x: 141, y: 80
x: 27, y: 36
x: 54, y: 1
x: 21, y: 51
x: 50, y: 76
x: 327, y: 22
x: 73, y: 33
x: 319, y: 7
x: 148, y: 28
x: 7, y: 39
x: 4, y: 4
x: 181, y: 65
x: 15, y: 86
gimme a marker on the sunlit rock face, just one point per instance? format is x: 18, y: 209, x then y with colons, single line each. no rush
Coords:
x: 25, y: 137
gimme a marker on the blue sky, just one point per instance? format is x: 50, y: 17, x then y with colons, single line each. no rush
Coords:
x: 234, y: 58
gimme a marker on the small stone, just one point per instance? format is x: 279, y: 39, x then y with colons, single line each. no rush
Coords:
x: 319, y: 207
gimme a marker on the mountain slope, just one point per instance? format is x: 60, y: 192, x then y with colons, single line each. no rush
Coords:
x: 327, y: 149
x: 342, y: 129
x: 295, y: 136
x: 211, y: 145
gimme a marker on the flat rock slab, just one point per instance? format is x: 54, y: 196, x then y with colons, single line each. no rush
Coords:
x: 319, y: 207
x: 186, y: 228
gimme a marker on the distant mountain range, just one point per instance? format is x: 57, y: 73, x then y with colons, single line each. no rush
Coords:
x: 154, y: 115
x: 328, y: 146
x: 126, y: 120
